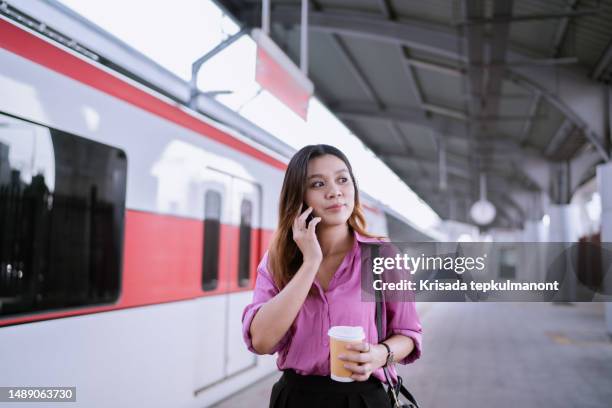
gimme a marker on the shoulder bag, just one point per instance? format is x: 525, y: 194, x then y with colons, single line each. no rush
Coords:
x: 394, y: 391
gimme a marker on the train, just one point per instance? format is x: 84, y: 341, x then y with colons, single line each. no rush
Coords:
x: 131, y: 222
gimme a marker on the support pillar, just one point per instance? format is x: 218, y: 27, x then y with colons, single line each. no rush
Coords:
x: 563, y: 223
x: 604, y: 185
x: 562, y: 229
x: 532, y: 265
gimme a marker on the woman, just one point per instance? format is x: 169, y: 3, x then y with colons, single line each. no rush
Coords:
x: 310, y: 280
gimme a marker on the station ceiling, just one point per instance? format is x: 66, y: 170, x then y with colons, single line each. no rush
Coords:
x: 441, y: 90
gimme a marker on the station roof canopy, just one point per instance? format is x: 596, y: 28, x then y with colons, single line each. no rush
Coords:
x: 444, y: 91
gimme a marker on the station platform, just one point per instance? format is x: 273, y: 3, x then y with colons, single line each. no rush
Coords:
x: 501, y: 355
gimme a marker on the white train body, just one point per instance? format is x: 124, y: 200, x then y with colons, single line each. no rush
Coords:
x: 164, y: 340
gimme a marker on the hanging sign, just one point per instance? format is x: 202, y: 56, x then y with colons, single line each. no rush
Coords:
x: 276, y: 73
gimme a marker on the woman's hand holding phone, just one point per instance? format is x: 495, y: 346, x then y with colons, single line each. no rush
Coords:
x: 305, y: 237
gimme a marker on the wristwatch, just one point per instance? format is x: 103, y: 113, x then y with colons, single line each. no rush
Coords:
x: 389, y: 355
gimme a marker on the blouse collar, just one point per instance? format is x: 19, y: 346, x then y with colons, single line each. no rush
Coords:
x: 363, y: 239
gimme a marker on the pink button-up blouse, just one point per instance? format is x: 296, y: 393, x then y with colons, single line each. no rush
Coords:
x: 305, y: 346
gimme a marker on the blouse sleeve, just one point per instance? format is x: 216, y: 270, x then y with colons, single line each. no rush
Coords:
x: 402, y: 319
x: 265, y: 289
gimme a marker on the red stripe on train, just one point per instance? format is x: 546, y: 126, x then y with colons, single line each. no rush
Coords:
x: 162, y: 259
x: 35, y: 49
x: 163, y: 263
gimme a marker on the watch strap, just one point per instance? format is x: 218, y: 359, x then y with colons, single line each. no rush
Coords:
x: 389, y: 354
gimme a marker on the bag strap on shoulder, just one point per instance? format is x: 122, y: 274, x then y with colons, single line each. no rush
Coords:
x: 399, y: 387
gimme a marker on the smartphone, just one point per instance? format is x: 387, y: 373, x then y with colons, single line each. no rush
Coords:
x: 310, y: 216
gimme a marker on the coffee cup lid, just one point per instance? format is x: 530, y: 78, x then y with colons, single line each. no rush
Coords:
x: 347, y: 332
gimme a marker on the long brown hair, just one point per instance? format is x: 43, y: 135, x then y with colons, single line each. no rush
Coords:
x: 284, y: 256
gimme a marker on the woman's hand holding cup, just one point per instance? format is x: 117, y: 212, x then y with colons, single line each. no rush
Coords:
x: 306, y: 238
x: 362, y: 365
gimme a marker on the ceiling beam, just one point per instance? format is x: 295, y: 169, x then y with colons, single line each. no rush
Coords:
x: 389, y: 13
x: 459, y: 167
x: 416, y: 89
x: 473, y: 39
x: 361, y: 78
x: 399, y: 137
x: 444, y: 111
x: 528, y: 17
x: 462, y: 184
x: 454, y: 169
x: 559, y: 138
x: 556, y: 51
x: 500, y: 148
x: 562, y: 29
x: 534, y: 62
x: 367, y: 87
x: 498, y: 44
x: 413, y: 116
x: 460, y: 71
x: 603, y: 64
x: 499, y: 200
x: 358, y: 74
x: 449, y: 128
x: 516, y: 96
x: 593, y: 137
x: 441, y: 40
x: 436, y: 67
x: 386, y: 10
x: 529, y: 122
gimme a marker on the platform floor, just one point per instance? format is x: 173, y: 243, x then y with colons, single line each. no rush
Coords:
x: 500, y: 355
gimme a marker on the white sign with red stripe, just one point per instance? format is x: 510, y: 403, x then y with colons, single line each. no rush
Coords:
x: 276, y: 73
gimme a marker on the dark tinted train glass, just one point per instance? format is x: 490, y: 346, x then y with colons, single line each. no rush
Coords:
x: 62, y: 206
x: 244, y: 252
x: 212, y: 236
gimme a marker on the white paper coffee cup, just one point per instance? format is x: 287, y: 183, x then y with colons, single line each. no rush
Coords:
x: 339, y: 337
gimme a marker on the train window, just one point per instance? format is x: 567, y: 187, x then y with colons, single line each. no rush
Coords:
x: 244, y: 252
x: 212, y: 237
x: 62, y: 205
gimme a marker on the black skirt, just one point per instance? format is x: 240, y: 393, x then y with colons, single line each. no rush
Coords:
x: 295, y: 391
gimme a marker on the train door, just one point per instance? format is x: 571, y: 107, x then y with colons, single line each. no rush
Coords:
x: 230, y: 254
x: 210, y: 317
x: 247, y: 209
